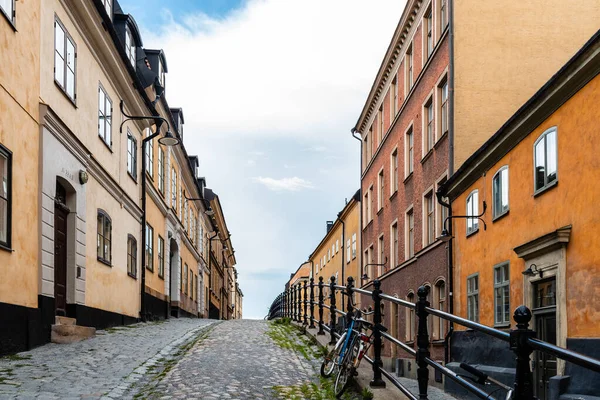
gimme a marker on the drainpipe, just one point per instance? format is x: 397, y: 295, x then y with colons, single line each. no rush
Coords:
x: 360, y: 224
x: 210, y: 238
x: 451, y: 88
x: 343, y: 253
x: 450, y: 281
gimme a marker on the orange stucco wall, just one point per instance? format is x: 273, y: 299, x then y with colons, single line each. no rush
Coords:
x: 572, y: 202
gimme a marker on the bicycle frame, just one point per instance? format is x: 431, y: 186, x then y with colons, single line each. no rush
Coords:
x: 349, y: 334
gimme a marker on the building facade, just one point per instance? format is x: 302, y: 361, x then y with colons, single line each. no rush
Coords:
x: 536, y: 177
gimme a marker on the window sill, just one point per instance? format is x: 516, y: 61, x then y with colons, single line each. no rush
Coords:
x: 379, y: 211
x: 408, y: 177
x: 9, y: 20
x: 427, y: 156
x: 368, y: 224
x: 393, y: 195
x: 150, y: 176
x: 151, y: 269
x: 437, y: 143
x: 132, y: 177
x: 64, y: 92
x: 473, y: 232
x: 161, y: 277
x: 496, y: 218
x: 108, y: 146
x: 545, y: 188
x: 103, y: 261
x: 6, y: 248
x: 132, y: 276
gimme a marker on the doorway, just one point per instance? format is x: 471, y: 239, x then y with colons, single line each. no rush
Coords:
x: 61, y: 212
x: 544, y: 365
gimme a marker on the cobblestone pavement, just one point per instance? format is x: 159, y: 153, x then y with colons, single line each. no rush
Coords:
x: 237, y: 360
x: 101, y: 367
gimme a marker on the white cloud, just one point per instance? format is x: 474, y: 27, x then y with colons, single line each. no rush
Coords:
x: 294, y: 184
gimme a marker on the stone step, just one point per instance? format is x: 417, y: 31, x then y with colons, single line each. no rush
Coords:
x: 65, y: 320
x: 71, y: 333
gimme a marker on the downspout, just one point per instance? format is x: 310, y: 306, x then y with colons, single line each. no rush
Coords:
x: 210, y: 238
x: 360, y: 224
x: 450, y: 281
x: 451, y: 88
x: 343, y: 252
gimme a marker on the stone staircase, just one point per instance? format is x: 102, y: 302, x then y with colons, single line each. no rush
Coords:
x: 66, y: 331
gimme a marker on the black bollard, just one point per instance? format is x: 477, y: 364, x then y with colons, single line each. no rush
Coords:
x: 321, y: 332
x: 422, y: 341
x: 519, y: 343
x: 312, y: 305
x: 377, y: 328
x: 332, y: 310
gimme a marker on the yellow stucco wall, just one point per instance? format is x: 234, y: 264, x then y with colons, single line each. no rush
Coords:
x: 571, y: 202
x: 502, y: 56
x: 156, y: 219
x: 19, y: 132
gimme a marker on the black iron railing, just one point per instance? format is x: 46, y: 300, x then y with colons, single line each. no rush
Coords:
x: 293, y: 303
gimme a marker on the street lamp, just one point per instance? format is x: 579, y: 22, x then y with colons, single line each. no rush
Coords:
x: 209, y: 211
x: 365, y: 277
x: 167, y: 140
x: 446, y: 237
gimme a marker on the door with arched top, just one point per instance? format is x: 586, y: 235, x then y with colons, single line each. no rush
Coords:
x: 60, y: 250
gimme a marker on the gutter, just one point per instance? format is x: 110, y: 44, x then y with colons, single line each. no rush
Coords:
x: 360, y: 224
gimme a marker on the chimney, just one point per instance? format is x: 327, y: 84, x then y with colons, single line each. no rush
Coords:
x: 329, y: 225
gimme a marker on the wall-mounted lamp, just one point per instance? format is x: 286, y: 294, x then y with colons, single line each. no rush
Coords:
x: 365, y: 277
x: 83, y: 177
x: 209, y: 211
x: 446, y: 237
x: 533, y: 270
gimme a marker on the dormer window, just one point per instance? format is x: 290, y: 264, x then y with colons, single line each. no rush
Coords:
x: 161, y: 74
x: 130, y: 46
x: 108, y: 7
x: 180, y: 125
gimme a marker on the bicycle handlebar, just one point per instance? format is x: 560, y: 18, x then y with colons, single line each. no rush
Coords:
x: 481, y: 377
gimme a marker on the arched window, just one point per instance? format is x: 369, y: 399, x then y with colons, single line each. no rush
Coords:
x: 546, y: 160
x: 131, y: 256
x: 410, y: 318
x: 104, y: 237
x: 473, y: 209
x: 439, y: 330
x: 500, y: 192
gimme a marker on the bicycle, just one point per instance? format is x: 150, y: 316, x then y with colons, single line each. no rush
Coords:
x: 484, y: 379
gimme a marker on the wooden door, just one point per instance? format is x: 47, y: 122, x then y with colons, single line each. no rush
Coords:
x: 60, y: 259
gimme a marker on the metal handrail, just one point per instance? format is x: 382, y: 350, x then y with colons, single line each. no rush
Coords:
x: 469, y: 324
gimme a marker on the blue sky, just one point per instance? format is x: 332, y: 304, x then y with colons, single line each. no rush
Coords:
x: 270, y: 90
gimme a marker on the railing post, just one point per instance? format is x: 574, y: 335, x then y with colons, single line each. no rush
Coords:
x: 422, y: 341
x: 294, y: 306
x: 312, y: 305
x: 297, y: 303
x: 305, y: 305
x: 321, y: 332
x: 287, y: 302
x: 377, y: 328
x: 519, y: 343
x: 332, y: 309
x: 349, y: 307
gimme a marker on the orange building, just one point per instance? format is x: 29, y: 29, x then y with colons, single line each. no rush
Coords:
x: 534, y: 183
x: 296, y: 284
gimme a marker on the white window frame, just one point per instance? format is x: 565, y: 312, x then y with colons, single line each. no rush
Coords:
x: 472, y: 210
x: 64, y: 59
x: 173, y: 188
x: 442, y: 124
x: 409, y: 69
x: 394, y: 245
x: 6, y: 180
x: 161, y: 170
x: 393, y: 99
x: 354, y: 246
x: 149, y: 154
x: 428, y: 34
x: 409, y: 151
x: 11, y: 12
x: 130, y: 47
x: 131, y: 155
x: 428, y: 225
x: 108, y: 6
x: 504, y: 318
x: 104, y: 116
x: 502, y: 176
x: 394, y: 165
x: 473, y: 315
x: 410, y: 250
x: 428, y: 126
x: 410, y: 318
x: 348, y: 252
x: 380, y: 189
x: 547, y: 183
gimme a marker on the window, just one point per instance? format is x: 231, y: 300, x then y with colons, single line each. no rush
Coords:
x: 545, y: 160
x: 130, y: 47
x: 65, y: 53
x: 328, y: 255
x: 131, y: 256
x: 108, y: 6
x: 501, y: 295
x: 150, y: 155
x: 332, y: 250
x: 367, y: 207
x: 395, y: 261
x: 381, y: 129
x: 104, y: 237
x: 443, y: 14
x: 500, y: 192
x: 428, y: 23
x: 380, y: 192
x: 191, y: 284
x: 5, y: 196
x: 409, y: 68
x: 317, y: 269
x: 410, y: 319
x: 440, y: 294
x: 473, y: 298
x: 161, y: 170
x: 429, y: 117
x: 429, y: 222
x: 348, y: 251
x: 201, y: 238
x: 409, y: 148
x: 185, y: 214
x: 393, y: 99
x: 180, y: 208
x: 174, y: 189
x: 161, y: 257
x: 410, y: 234
x: 353, y: 245
x: 8, y: 8
x: 443, y: 96
x: 394, y: 172
x: 185, y: 279
x: 382, y: 258
x: 472, y: 209
x: 104, y: 117
x: 149, y: 247
x: 337, y: 245
x: 131, y: 155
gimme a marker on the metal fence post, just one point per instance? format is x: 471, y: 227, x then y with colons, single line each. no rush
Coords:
x: 295, y: 300
x: 283, y: 308
x: 377, y: 328
x: 349, y: 307
x: 305, y: 302
x: 422, y: 341
x: 312, y: 305
x: 332, y: 309
x: 519, y: 343
x: 321, y: 332
x: 297, y: 303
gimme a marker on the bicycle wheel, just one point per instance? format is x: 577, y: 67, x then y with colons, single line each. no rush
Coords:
x: 329, y: 364
x: 345, y: 371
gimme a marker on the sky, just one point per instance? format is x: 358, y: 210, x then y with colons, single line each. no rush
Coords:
x: 270, y: 90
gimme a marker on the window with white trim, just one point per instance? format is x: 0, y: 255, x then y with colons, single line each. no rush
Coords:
x: 393, y: 99
x: 443, y: 96
x: 131, y: 155
x: 501, y: 295
x: 348, y: 251
x: 428, y: 32
x: 130, y: 46
x: 395, y: 260
x: 380, y: 190
x: 472, y: 209
x: 394, y: 172
x: 161, y: 170
x: 149, y: 154
x: 104, y: 237
x: 429, y: 220
x: 410, y: 319
x: 409, y: 68
x: 473, y: 298
x: 429, y: 115
x: 161, y: 257
x: 173, y: 188
x: 149, y: 247
x: 440, y: 299
x: 546, y: 160
x: 104, y: 116
x: 353, y: 246
x: 65, y: 54
x: 443, y: 14
x: 107, y: 6
x: 8, y: 8
x: 410, y: 234
x: 408, y: 152
x: 381, y: 258
x: 131, y: 256
x: 500, y: 192
x: 5, y: 196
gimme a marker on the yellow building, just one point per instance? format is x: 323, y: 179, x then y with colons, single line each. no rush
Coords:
x: 296, y: 285
x: 19, y: 166
x: 534, y: 183
x: 337, y: 254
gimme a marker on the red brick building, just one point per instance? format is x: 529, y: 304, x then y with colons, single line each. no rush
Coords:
x: 404, y: 132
